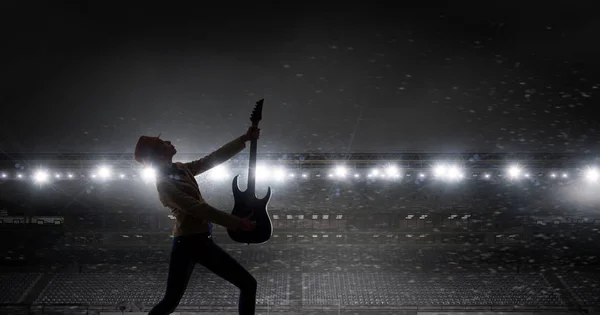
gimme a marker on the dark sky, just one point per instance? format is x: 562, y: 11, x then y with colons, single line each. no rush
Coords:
x: 495, y: 76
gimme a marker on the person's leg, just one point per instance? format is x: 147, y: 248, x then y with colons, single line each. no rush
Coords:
x: 215, y: 259
x: 181, y: 266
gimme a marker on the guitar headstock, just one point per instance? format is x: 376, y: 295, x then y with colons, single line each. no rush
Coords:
x: 257, y: 112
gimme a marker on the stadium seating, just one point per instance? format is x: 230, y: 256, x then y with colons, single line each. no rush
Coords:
x: 426, y: 289
x: 148, y: 288
x: 348, y: 289
x: 14, y: 285
x: 584, y: 286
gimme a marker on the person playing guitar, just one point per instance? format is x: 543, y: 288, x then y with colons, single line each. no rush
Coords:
x: 192, y: 243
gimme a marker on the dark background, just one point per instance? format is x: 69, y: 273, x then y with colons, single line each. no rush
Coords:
x: 352, y: 76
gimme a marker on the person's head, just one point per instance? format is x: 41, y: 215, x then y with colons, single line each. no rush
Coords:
x: 153, y: 150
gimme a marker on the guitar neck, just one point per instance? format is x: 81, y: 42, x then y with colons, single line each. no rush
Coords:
x: 252, y: 168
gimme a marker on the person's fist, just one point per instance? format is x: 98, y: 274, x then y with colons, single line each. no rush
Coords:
x: 247, y: 225
x: 253, y: 133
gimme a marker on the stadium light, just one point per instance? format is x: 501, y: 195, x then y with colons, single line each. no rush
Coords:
x: 279, y: 173
x: 374, y: 173
x: 454, y: 173
x: 57, y: 175
x: 70, y: 175
x: 3, y: 175
x: 262, y: 172
x: 304, y: 175
x: 392, y: 171
x: 148, y: 173
x: 448, y: 172
x: 514, y: 171
x: 19, y: 175
x: 592, y: 175
x: 104, y: 172
x: 439, y: 171
x: 219, y: 173
x: 40, y: 176
x: 340, y: 171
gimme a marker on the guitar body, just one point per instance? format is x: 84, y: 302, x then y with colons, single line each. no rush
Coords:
x: 246, y: 202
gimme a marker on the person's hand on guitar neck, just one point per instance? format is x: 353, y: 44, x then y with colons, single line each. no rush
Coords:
x: 253, y: 133
x: 246, y: 225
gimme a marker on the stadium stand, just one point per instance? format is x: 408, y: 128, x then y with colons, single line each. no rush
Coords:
x: 13, y: 286
x: 109, y: 289
x: 585, y: 287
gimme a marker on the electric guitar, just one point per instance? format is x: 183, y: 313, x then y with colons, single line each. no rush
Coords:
x: 246, y: 202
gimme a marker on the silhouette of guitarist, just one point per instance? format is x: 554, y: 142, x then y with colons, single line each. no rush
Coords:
x: 192, y: 242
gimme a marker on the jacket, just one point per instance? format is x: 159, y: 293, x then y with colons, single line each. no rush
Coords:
x: 178, y: 190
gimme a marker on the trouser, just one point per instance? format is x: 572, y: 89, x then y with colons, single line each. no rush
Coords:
x: 199, y: 248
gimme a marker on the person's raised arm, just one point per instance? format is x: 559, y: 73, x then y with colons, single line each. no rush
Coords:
x: 219, y: 156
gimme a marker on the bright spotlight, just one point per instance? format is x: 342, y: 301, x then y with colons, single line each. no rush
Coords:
x: 392, y: 171
x: 279, y: 173
x: 514, y: 171
x: 564, y: 175
x: 374, y: 172
x: 341, y: 171
x: 104, y: 172
x: 421, y: 175
x: 448, y: 172
x: 122, y: 175
x: 19, y: 176
x: 553, y: 175
x: 70, y: 175
x: 592, y: 175
x: 439, y: 171
x: 57, y: 175
x: 454, y: 173
x: 148, y: 173
x: 487, y: 175
x: 219, y: 173
x: 3, y: 175
x: 262, y: 172
x: 40, y: 176
x: 356, y: 175
x: 304, y: 175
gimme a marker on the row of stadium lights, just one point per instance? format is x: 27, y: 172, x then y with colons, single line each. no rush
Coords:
x: 444, y: 172
x: 327, y: 236
x: 341, y: 216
